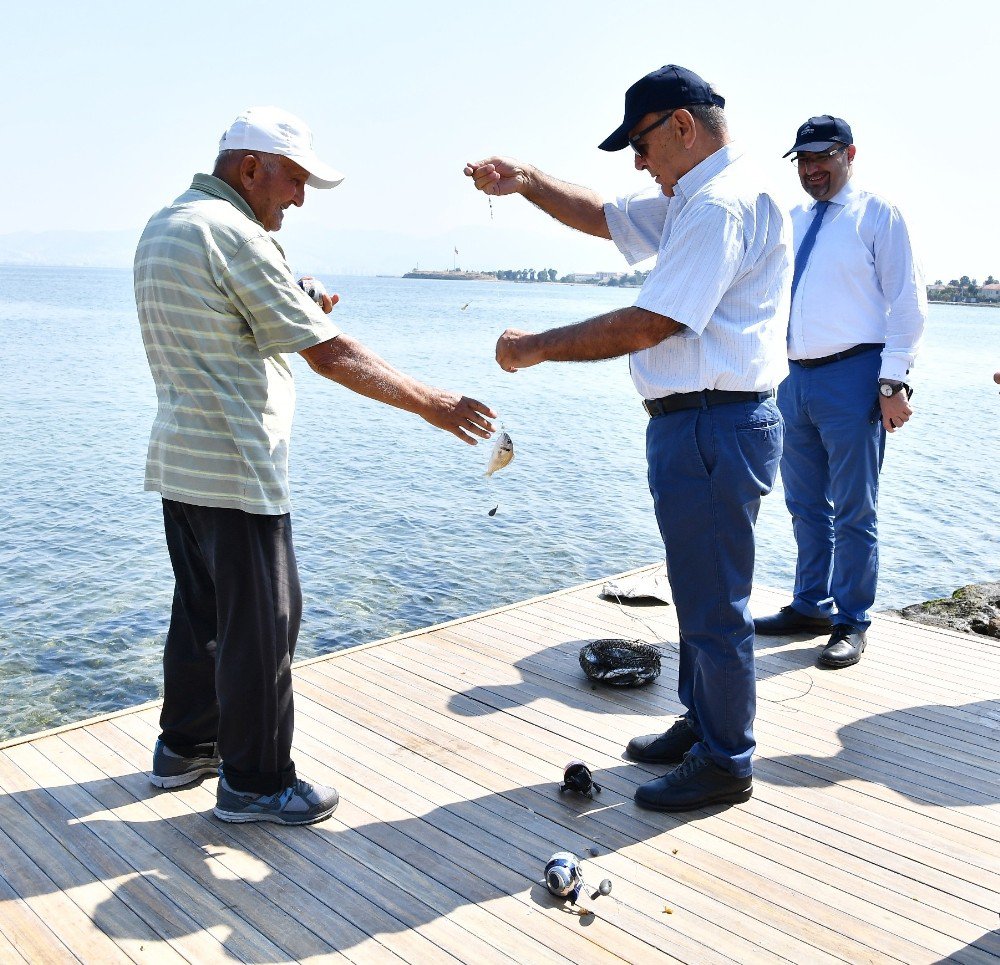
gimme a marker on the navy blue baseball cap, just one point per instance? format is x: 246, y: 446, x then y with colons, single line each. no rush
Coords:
x: 821, y: 133
x: 665, y: 89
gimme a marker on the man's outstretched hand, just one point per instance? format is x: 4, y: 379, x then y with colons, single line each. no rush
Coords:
x: 498, y: 175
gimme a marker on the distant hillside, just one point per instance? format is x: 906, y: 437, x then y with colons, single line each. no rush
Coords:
x: 83, y: 249
x: 323, y: 249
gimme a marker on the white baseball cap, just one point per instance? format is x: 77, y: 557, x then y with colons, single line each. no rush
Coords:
x: 274, y: 131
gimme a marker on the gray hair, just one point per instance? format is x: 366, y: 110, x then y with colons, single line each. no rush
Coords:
x: 232, y: 158
x: 711, y: 117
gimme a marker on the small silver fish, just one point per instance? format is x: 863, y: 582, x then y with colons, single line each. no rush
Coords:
x: 501, y: 454
x: 313, y: 287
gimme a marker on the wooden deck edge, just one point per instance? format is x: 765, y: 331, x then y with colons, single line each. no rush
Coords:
x: 890, y: 616
x: 149, y: 705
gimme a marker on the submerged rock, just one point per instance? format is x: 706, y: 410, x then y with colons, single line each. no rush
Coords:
x: 971, y: 609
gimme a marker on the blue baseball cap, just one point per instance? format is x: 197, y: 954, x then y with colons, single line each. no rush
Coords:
x: 820, y: 133
x: 665, y: 89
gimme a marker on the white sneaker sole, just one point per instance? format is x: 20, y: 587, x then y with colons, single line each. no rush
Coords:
x: 246, y: 817
x: 188, y: 777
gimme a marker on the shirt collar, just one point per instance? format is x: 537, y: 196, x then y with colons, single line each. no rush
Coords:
x: 843, y: 196
x: 703, y: 172
x: 210, y: 184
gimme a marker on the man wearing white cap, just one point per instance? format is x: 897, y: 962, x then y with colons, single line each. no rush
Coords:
x: 219, y: 310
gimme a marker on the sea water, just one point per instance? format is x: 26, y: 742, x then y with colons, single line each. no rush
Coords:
x: 390, y: 516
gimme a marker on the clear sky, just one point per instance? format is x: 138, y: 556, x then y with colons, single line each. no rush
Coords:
x: 108, y: 108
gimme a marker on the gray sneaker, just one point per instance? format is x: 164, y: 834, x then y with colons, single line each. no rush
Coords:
x: 302, y: 803
x: 172, y: 770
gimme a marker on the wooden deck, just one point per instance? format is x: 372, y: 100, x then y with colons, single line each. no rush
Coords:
x: 873, y: 834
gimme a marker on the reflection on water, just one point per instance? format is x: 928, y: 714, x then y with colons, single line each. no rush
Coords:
x: 391, y: 517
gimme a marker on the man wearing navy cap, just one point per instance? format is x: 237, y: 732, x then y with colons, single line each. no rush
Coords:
x: 858, y: 311
x: 705, y: 341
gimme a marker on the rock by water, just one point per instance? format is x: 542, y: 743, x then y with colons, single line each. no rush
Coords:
x: 971, y: 609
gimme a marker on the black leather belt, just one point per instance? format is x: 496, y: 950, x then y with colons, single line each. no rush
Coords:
x: 698, y: 400
x: 837, y: 356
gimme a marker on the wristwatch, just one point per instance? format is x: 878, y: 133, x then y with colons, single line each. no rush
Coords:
x: 889, y: 389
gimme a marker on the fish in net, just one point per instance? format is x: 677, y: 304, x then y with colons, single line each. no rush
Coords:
x: 620, y: 663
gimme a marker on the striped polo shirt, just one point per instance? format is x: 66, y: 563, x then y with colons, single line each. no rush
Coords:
x: 218, y: 306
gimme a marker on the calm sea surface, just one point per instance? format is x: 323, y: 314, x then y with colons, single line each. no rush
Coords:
x: 390, y: 516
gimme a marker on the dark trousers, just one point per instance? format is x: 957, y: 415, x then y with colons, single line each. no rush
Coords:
x: 830, y: 471
x: 708, y: 469
x: 227, y: 661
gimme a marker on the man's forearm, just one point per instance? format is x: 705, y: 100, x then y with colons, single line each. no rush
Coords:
x: 346, y: 361
x: 604, y: 337
x: 573, y: 205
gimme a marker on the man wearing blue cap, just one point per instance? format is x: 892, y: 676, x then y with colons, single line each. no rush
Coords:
x: 705, y: 341
x: 858, y: 311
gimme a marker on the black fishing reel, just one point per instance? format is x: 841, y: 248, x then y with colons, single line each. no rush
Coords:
x: 577, y: 778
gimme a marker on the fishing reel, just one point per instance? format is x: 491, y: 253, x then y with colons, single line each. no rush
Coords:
x: 564, y: 878
x: 577, y: 778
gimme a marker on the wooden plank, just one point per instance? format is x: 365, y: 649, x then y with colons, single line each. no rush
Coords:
x: 933, y: 797
x: 924, y: 745
x: 383, y: 832
x: 873, y: 834
x: 419, y: 890
x: 25, y: 932
x: 53, y: 867
x: 610, y: 748
x: 536, y: 801
x: 192, y: 918
x: 332, y: 896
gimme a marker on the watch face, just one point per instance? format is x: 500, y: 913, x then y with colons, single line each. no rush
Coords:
x: 887, y: 390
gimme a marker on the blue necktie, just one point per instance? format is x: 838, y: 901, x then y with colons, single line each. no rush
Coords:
x: 805, y: 249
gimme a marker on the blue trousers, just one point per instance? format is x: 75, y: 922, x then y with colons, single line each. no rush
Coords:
x: 830, y: 472
x: 708, y: 469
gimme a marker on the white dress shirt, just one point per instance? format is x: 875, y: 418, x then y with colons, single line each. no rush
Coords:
x: 723, y: 271
x: 860, y: 284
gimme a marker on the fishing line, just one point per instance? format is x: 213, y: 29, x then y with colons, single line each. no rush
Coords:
x: 658, y: 643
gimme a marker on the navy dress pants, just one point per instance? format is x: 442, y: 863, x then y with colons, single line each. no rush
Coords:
x: 708, y: 469
x: 830, y: 473
x: 227, y: 661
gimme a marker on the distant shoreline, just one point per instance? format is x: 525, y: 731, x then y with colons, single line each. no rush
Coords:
x: 946, y: 301
x: 453, y: 275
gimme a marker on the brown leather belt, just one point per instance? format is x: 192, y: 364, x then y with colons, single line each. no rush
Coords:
x: 699, y: 400
x: 837, y: 356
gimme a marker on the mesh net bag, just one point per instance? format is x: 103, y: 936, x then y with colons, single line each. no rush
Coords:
x: 620, y: 663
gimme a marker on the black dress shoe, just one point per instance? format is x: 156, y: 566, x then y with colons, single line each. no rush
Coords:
x: 668, y: 748
x: 789, y: 620
x: 846, y: 645
x: 695, y: 782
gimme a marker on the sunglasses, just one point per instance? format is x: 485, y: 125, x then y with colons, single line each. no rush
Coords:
x: 635, y: 141
x: 819, y: 156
